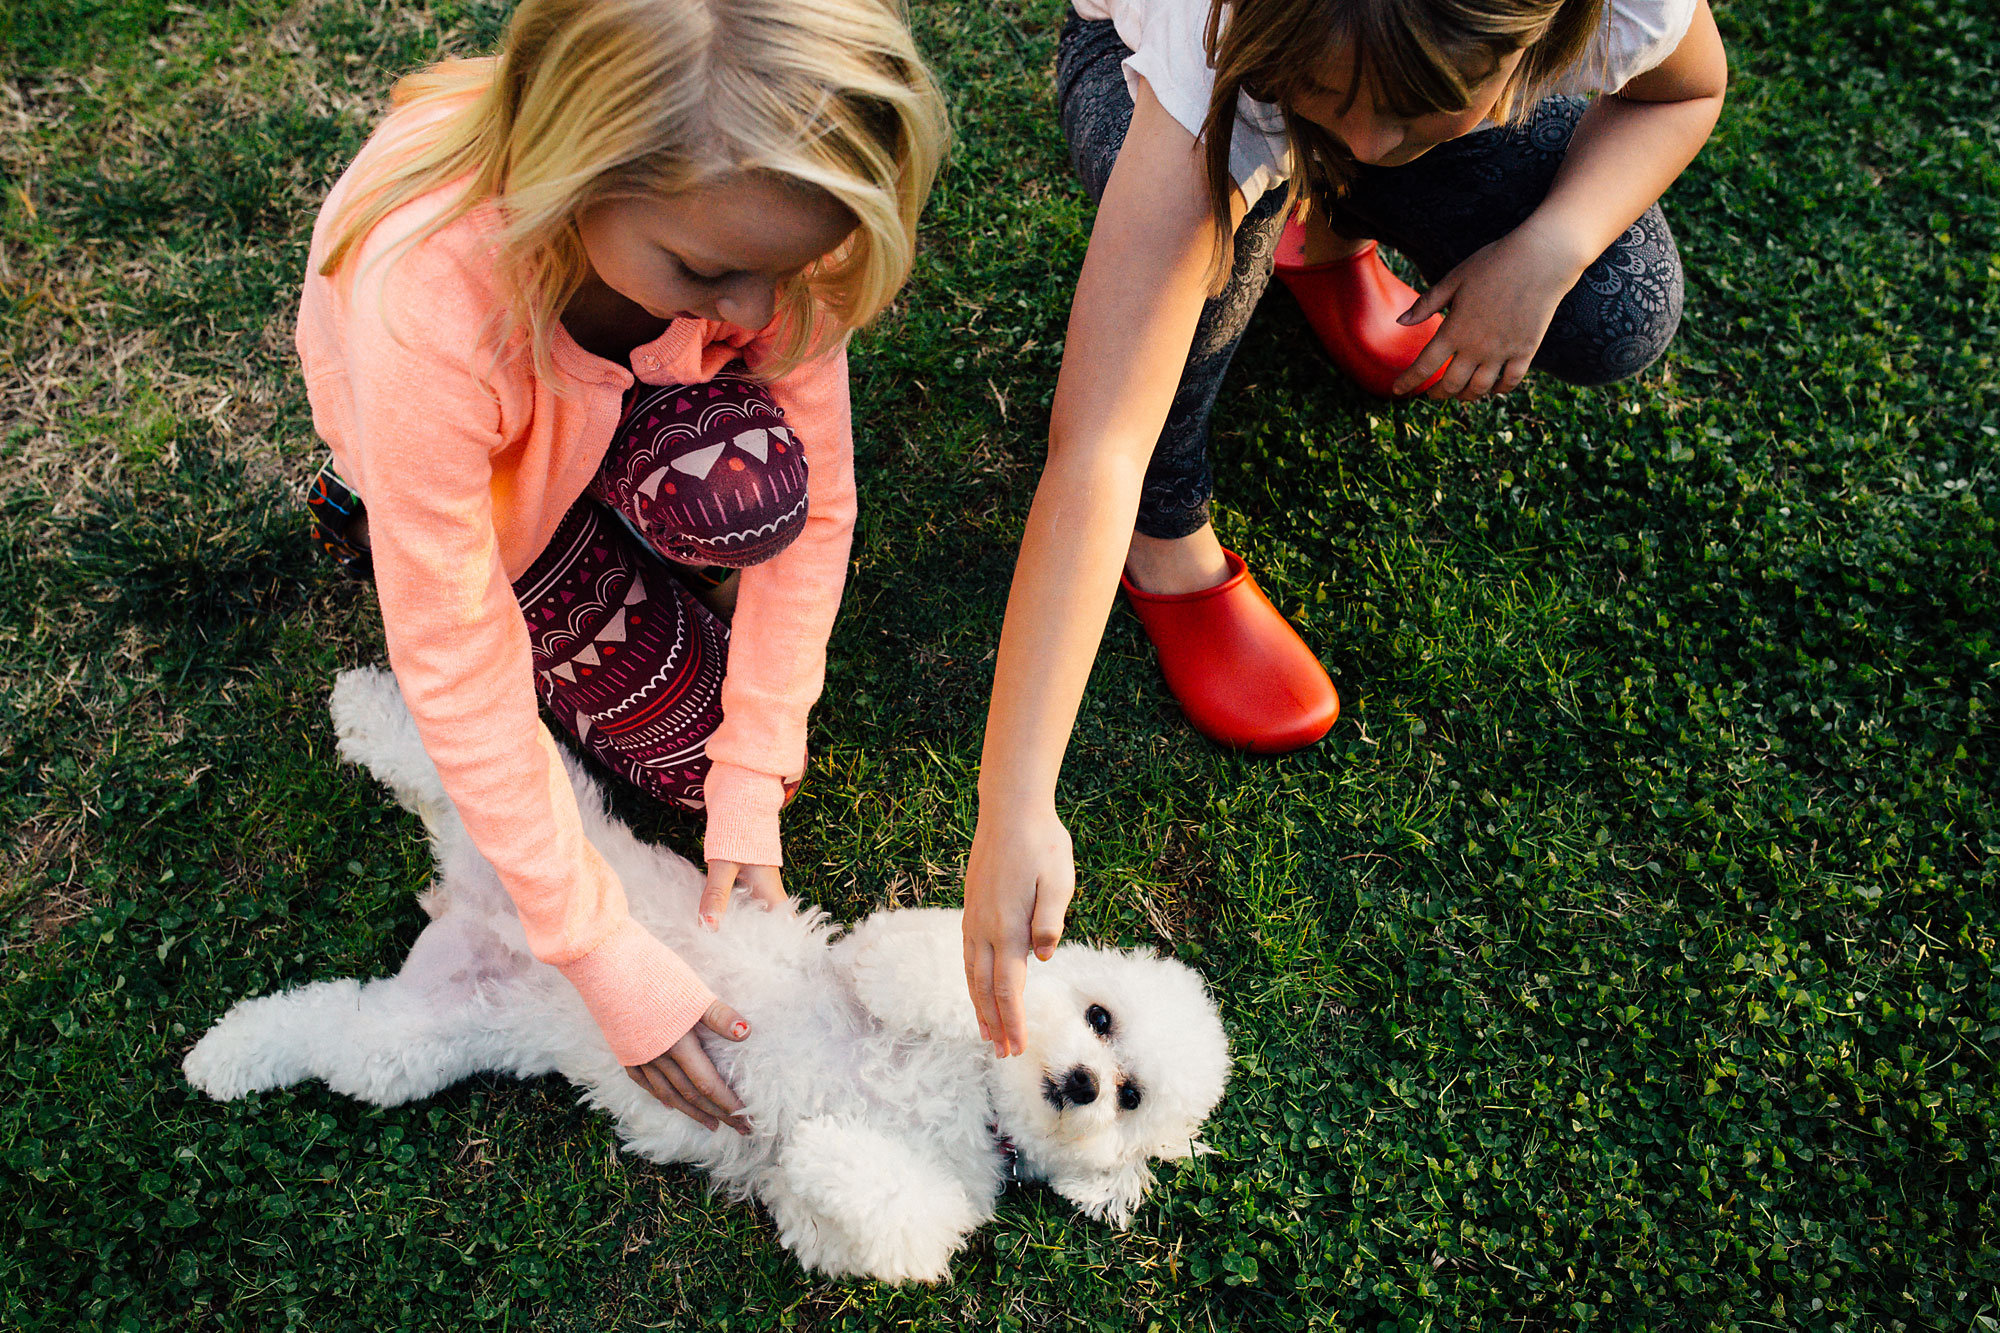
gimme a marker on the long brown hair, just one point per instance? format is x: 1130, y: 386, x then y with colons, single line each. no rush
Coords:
x: 1421, y: 56
x: 591, y: 100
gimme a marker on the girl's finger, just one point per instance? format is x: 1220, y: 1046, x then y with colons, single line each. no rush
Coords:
x: 715, y: 896
x: 1434, y: 356
x: 1480, y: 384
x: 1045, y: 927
x: 663, y: 1093
x: 1010, y: 976
x: 709, y: 1083
x: 1454, y: 378
x: 979, y: 984
x: 707, y: 1107
x: 677, y: 1076
x: 725, y: 1022
x: 1432, y: 301
x: 1517, y: 370
x: 769, y: 889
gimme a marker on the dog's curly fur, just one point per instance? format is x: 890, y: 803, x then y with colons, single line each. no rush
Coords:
x: 877, y: 1109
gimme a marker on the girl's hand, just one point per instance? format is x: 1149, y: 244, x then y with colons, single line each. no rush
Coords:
x: 766, y: 885
x: 1018, y: 884
x: 685, y: 1080
x: 1501, y: 300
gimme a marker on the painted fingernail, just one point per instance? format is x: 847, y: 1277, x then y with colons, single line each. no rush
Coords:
x: 708, y: 921
x: 739, y: 1029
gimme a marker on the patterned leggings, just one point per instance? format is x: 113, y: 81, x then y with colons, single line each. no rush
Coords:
x: 626, y: 659
x: 1438, y: 210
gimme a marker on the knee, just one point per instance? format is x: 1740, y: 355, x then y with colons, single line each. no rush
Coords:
x: 1603, y: 359
x: 750, y: 506
x: 709, y: 473
x: 1623, y: 313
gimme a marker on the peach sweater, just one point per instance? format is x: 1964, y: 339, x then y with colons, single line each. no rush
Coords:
x: 466, y: 461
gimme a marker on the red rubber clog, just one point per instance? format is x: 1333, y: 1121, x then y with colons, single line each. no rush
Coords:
x: 1236, y: 666
x: 1352, y: 305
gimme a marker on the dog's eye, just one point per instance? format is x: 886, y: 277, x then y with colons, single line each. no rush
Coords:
x: 1128, y: 1096
x: 1099, y: 1019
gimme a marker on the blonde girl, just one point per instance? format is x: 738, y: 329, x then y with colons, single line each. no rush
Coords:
x: 1458, y: 131
x: 576, y: 320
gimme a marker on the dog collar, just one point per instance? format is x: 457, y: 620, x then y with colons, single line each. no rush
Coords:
x: 1010, y: 1156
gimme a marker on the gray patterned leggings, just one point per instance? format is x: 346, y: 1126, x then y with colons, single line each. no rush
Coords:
x: 1441, y: 208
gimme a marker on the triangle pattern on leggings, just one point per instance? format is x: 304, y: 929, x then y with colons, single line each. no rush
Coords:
x: 699, y: 463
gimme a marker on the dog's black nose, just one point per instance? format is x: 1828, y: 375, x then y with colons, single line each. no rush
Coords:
x: 1080, y: 1088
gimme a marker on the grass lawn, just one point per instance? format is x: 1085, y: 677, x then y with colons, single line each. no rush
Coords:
x: 1626, y: 956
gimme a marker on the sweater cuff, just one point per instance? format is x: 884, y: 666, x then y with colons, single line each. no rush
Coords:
x: 642, y: 995
x: 743, y: 807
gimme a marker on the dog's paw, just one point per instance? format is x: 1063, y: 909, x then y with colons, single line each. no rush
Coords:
x: 908, y: 968
x: 376, y: 731
x: 214, y: 1067
x: 1107, y: 1196
x: 264, y: 1043
x: 862, y: 1202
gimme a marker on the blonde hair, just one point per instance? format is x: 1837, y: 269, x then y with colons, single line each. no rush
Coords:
x: 594, y: 100
x: 1420, y: 56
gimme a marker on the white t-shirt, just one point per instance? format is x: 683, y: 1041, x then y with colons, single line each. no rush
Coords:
x: 1165, y: 37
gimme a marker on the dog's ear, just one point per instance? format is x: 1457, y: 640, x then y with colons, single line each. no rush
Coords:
x: 908, y: 969
x: 1108, y: 1196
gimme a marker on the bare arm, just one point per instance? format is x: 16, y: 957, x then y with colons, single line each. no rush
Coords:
x: 1144, y: 279
x: 1628, y: 148
x: 1632, y: 144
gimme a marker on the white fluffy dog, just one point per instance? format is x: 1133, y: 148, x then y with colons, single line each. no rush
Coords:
x: 884, y: 1128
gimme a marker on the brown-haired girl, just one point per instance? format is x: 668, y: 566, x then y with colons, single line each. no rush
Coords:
x: 1515, y: 150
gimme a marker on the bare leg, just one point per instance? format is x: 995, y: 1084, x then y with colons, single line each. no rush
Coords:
x: 1176, y: 564
x: 851, y: 1198
x: 447, y: 1014
x: 1324, y: 245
